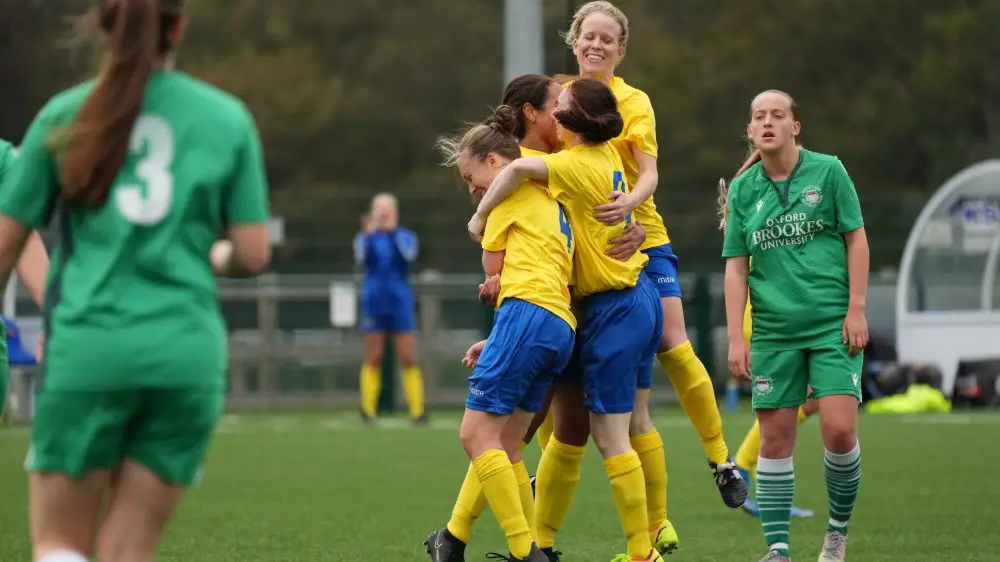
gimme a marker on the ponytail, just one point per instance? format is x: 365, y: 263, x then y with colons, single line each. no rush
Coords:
x: 723, y: 201
x: 96, y: 144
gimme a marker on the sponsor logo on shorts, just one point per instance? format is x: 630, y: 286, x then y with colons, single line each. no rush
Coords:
x: 666, y: 280
x: 856, y: 377
x: 812, y: 195
x: 763, y: 385
x: 477, y: 392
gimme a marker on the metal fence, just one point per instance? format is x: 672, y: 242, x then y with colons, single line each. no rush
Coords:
x: 284, y: 349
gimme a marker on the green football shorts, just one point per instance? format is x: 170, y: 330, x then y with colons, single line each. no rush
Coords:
x: 782, y: 378
x: 166, y: 430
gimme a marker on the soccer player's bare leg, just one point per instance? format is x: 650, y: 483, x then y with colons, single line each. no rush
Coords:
x: 647, y: 443
x: 373, y: 344
x: 697, y: 396
x: 746, y: 460
x: 140, y: 509
x: 63, y: 514
x: 562, y: 460
x: 405, y: 344
x: 842, y: 467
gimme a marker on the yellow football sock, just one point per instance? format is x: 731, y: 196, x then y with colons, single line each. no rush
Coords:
x: 544, y: 432
x: 746, y: 457
x: 527, y: 496
x: 629, y: 491
x: 371, y: 386
x: 496, y: 475
x: 555, y: 485
x: 469, y: 506
x: 649, y: 448
x: 697, y: 396
x: 413, y: 388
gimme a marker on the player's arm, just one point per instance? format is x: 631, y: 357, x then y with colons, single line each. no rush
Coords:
x: 737, y: 255
x: 531, y: 168
x: 360, y: 248
x: 33, y: 267
x: 640, y: 132
x: 649, y: 178
x: 851, y: 226
x: 494, y: 245
x: 27, y: 202
x: 246, y: 251
x: 407, y: 245
x: 736, y: 295
x: 493, y: 262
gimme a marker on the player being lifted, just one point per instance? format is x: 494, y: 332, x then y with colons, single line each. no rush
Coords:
x: 796, y: 214
x: 148, y: 167
x: 598, y: 36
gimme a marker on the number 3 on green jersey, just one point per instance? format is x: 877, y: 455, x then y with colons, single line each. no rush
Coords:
x: 148, y: 204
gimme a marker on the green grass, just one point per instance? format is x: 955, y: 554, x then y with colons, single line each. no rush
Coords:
x: 321, y: 487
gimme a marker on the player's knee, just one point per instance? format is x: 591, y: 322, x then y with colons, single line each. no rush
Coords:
x: 480, y: 432
x: 839, y: 438
x: 407, y: 361
x: 777, y: 436
x: 610, y: 433
x: 373, y: 360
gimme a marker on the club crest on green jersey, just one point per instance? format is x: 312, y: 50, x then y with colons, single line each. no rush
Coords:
x: 812, y: 195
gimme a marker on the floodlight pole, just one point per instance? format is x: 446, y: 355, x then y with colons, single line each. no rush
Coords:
x: 523, y: 38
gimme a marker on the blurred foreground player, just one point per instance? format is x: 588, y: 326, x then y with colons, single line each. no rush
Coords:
x: 148, y: 166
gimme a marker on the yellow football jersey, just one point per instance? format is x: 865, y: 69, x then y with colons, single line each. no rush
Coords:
x: 640, y: 132
x: 580, y: 178
x: 531, y: 227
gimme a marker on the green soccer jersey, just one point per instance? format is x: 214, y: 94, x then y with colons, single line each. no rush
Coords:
x: 7, y: 156
x: 793, y: 232
x: 131, y: 298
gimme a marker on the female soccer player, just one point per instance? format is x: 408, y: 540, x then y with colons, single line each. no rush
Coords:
x: 796, y: 214
x: 598, y: 36
x: 386, y: 251
x: 532, y: 98
x: 148, y: 166
x: 620, y: 319
x: 31, y: 268
x: 529, y: 244
x: 746, y: 456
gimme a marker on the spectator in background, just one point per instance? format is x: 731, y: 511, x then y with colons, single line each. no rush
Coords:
x: 386, y: 250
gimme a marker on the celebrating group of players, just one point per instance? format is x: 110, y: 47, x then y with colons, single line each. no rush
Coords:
x: 559, y: 173
x: 147, y: 166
